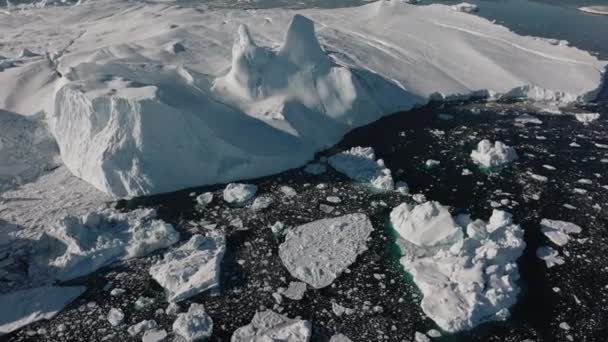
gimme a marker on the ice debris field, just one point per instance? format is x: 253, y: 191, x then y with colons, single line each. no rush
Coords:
x: 109, y: 100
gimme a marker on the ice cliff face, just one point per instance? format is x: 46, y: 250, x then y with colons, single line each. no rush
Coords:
x: 151, y: 106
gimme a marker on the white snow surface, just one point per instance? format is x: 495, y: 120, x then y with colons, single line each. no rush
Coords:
x: 23, y: 307
x: 488, y: 155
x: 146, y: 99
x: 76, y: 246
x: 190, y: 269
x: 470, y: 280
x: 360, y: 164
x: 194, y: 325
x: 273, y: 327
x: 319, y: 251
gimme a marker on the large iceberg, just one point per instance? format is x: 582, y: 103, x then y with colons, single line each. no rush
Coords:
x: 143, y: 100
x: 319, y: 251
x: 465, y: 280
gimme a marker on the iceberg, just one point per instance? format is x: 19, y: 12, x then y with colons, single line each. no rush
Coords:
x: 147, y: 107
x: 190, y: 269
x: 464, y: 280
x: 76, y: 246
x: 489, y: 156
x: 318, y: 252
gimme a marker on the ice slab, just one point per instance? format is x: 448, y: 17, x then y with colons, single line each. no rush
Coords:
x: 488, y: 155
x: 190, y: 269
x: 559, y: 231
x: 360, y: 164
x: 319, y: 251
x: 20, y: 308
x: 471, y: 280
x: 271, y: 326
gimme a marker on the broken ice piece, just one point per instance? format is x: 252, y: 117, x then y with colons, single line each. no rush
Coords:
x: 271, y: 326
x: 194, y: 325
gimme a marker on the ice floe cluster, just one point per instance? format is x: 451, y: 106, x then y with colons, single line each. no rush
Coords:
x: 466, y: 269
x: 319, y: 251
x: 488, y: 155
x: 559, y: 233
x: 360, y: 164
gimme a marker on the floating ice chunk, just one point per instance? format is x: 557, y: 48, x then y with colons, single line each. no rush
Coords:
x: 140, y: 327
x: 295, y: 290
x: 360, y: 164
x: 492, y: 156
x: 238, y: 193
x: 143, y: 302
x: 115, y: 316
x: 599, y: 9
x: 20, y: 308
x: 194, y: 325
x: 204, y: 199
x: 319, y: 251
x: 425, y: 225
x: 315, y: 169
x: 288, y: 191
x: 261, y: 203
x: 271, y: 326
x: 528, y: 119
x: 421, y: 337
x: 154, y: 335
x: 465, y: 7
x: 402, y: 188
x: 190, y: 269
x: 77, y: 246
x: 340, y: 338
x: 550, y: 256
x: 340, y: 310
x: 587, y: 117
x: 472, y: 280
x: 559, y: 231
x: 432, y: 163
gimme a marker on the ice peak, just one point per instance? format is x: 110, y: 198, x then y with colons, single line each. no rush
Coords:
x: 301, y: 45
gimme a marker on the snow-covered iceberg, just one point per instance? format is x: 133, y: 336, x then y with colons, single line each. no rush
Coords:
x: 145, y: 100
x: 319, y: 251
x: 465, y: 280
x: 76, y: 246
x: 192, y: 268
x: 271, y: 326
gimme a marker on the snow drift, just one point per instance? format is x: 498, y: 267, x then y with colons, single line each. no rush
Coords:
x: 142, y: 103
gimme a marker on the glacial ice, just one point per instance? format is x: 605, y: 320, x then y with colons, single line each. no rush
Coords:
x: 194, y: 325
x: 190, y: 269
x: 489, y: 156
x: 319, y: 251
x: 23, y: 307
x: 273, y: 327
x: 77, y: 246
x: 559, y: 231
x: 238, y: 193
x: 124, y: 111
x: 360, y: 164
x: 465, y: 281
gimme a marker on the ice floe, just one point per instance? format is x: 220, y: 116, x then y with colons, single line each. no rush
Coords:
x: 465, y: 280
x: 238, y: 193
x: 587, y: 117
x: 76, y: 246
x: 559, y: 232
x: 271, y: 326
x: 360, y: 164
x: 319, y: 251
x: 191, y: 268
x: 194, y: 325
x: 23, y: 307
x: 488, y: 155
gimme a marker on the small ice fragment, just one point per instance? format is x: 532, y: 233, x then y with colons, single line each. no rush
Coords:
x: 238, y: 193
